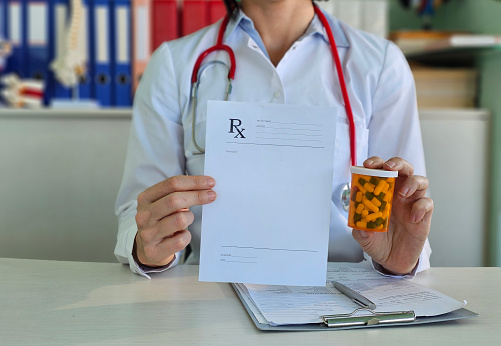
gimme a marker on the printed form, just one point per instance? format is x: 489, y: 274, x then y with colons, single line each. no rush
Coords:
x: 273, y: 170
x: 280, y: 305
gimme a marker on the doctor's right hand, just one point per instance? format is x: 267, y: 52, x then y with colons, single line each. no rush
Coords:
x: 163, y: 217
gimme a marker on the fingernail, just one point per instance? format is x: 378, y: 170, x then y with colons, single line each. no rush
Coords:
x: 369, y: 162
x: 390, y: 164
x: 403, y: 192
x: 364, y: 234
x: 210, y: 182
x: 211, y: 195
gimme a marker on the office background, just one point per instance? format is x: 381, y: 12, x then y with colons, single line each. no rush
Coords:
x: 482, y: 17
x: 61, y: 168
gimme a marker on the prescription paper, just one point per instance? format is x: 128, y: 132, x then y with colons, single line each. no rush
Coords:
x: 273, y: 167
x: 281, y: 305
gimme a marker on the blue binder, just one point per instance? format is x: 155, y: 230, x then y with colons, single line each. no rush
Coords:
x: 100, y: 54
x: 3, y: 30
x: 49, y: 85
x: 58, y: 17
x: 3, y: 19
x: 121, y: 53
x: 37, y: 41
x: 15, y: 24
x: 84, y: 87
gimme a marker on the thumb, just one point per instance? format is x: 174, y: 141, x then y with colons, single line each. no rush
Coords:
x: 362, y: 237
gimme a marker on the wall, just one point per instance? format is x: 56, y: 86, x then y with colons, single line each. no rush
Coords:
x: 60, y: 173
x: 455, y: 134
x: 483, y: 17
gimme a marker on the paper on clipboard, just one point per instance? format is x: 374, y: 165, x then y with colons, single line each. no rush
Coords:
x: 287, y: 305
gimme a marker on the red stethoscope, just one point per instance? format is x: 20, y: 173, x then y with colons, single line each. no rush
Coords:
x: 219, y: 46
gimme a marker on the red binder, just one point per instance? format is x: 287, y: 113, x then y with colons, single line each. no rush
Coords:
x: 194, y: 15
x: 217, y: 10
x: 165, y: 21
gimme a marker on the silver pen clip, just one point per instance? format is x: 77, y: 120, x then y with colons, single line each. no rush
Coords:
x: 354, y: 296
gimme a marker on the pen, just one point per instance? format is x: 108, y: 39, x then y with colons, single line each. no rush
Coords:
x: 354, y: 296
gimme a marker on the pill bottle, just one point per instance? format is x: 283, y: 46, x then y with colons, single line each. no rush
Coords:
x: 371, y: 198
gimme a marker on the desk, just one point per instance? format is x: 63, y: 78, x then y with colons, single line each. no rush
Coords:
x: 51, y: 302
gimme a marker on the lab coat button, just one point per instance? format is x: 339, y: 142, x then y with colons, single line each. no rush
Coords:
x: 277, y: 94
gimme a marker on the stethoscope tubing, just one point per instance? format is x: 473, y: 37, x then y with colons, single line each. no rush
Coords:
x: 197, y: 71
x: 342, y: 83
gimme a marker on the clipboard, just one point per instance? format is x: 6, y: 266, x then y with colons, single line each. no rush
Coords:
x: 451, y: 316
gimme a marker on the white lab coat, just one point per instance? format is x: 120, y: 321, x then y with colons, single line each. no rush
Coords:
x: 380, y: 86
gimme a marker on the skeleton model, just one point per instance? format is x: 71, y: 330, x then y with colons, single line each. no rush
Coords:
x: 70, y: 63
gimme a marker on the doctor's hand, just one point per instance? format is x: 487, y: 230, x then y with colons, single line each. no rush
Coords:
x: 163, y: 217
x: 398, y: 249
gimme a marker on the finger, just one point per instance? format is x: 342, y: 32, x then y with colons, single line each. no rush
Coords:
x: 404, y: 168
x: 368, y: 243
x: 413, y: 184
x: 179, y: 201
x: 173, y: 223
x: 173, y: 184
x: 175, y: 243
x: 374, y: 162
x: 362, y: 237
x: 422, y: 211
x: 159, y: 254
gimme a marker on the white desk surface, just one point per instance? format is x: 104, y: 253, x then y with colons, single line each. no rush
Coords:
x: 51, y: 302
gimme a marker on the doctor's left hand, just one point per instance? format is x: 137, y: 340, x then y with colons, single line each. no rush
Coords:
x: 398, y: 249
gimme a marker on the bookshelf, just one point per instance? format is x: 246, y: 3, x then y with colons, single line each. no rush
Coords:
x: 74, y: 113
x: 445, y: 48
x: 453, y: 56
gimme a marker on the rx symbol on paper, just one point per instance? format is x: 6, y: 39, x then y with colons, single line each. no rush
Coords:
x: 235, y: 128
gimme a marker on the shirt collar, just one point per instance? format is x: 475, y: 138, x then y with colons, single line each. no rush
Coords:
x: 315, y: 28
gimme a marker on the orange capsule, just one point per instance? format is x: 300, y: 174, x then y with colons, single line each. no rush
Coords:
x: 376, y: 202
x: 370, y: 205
x: 369, y: 187
x: 379, y: 187
x: 373, y: 216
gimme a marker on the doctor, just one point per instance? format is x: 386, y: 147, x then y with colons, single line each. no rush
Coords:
x: 283, y: 55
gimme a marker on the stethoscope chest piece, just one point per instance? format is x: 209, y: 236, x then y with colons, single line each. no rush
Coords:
x: 345, y: 196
